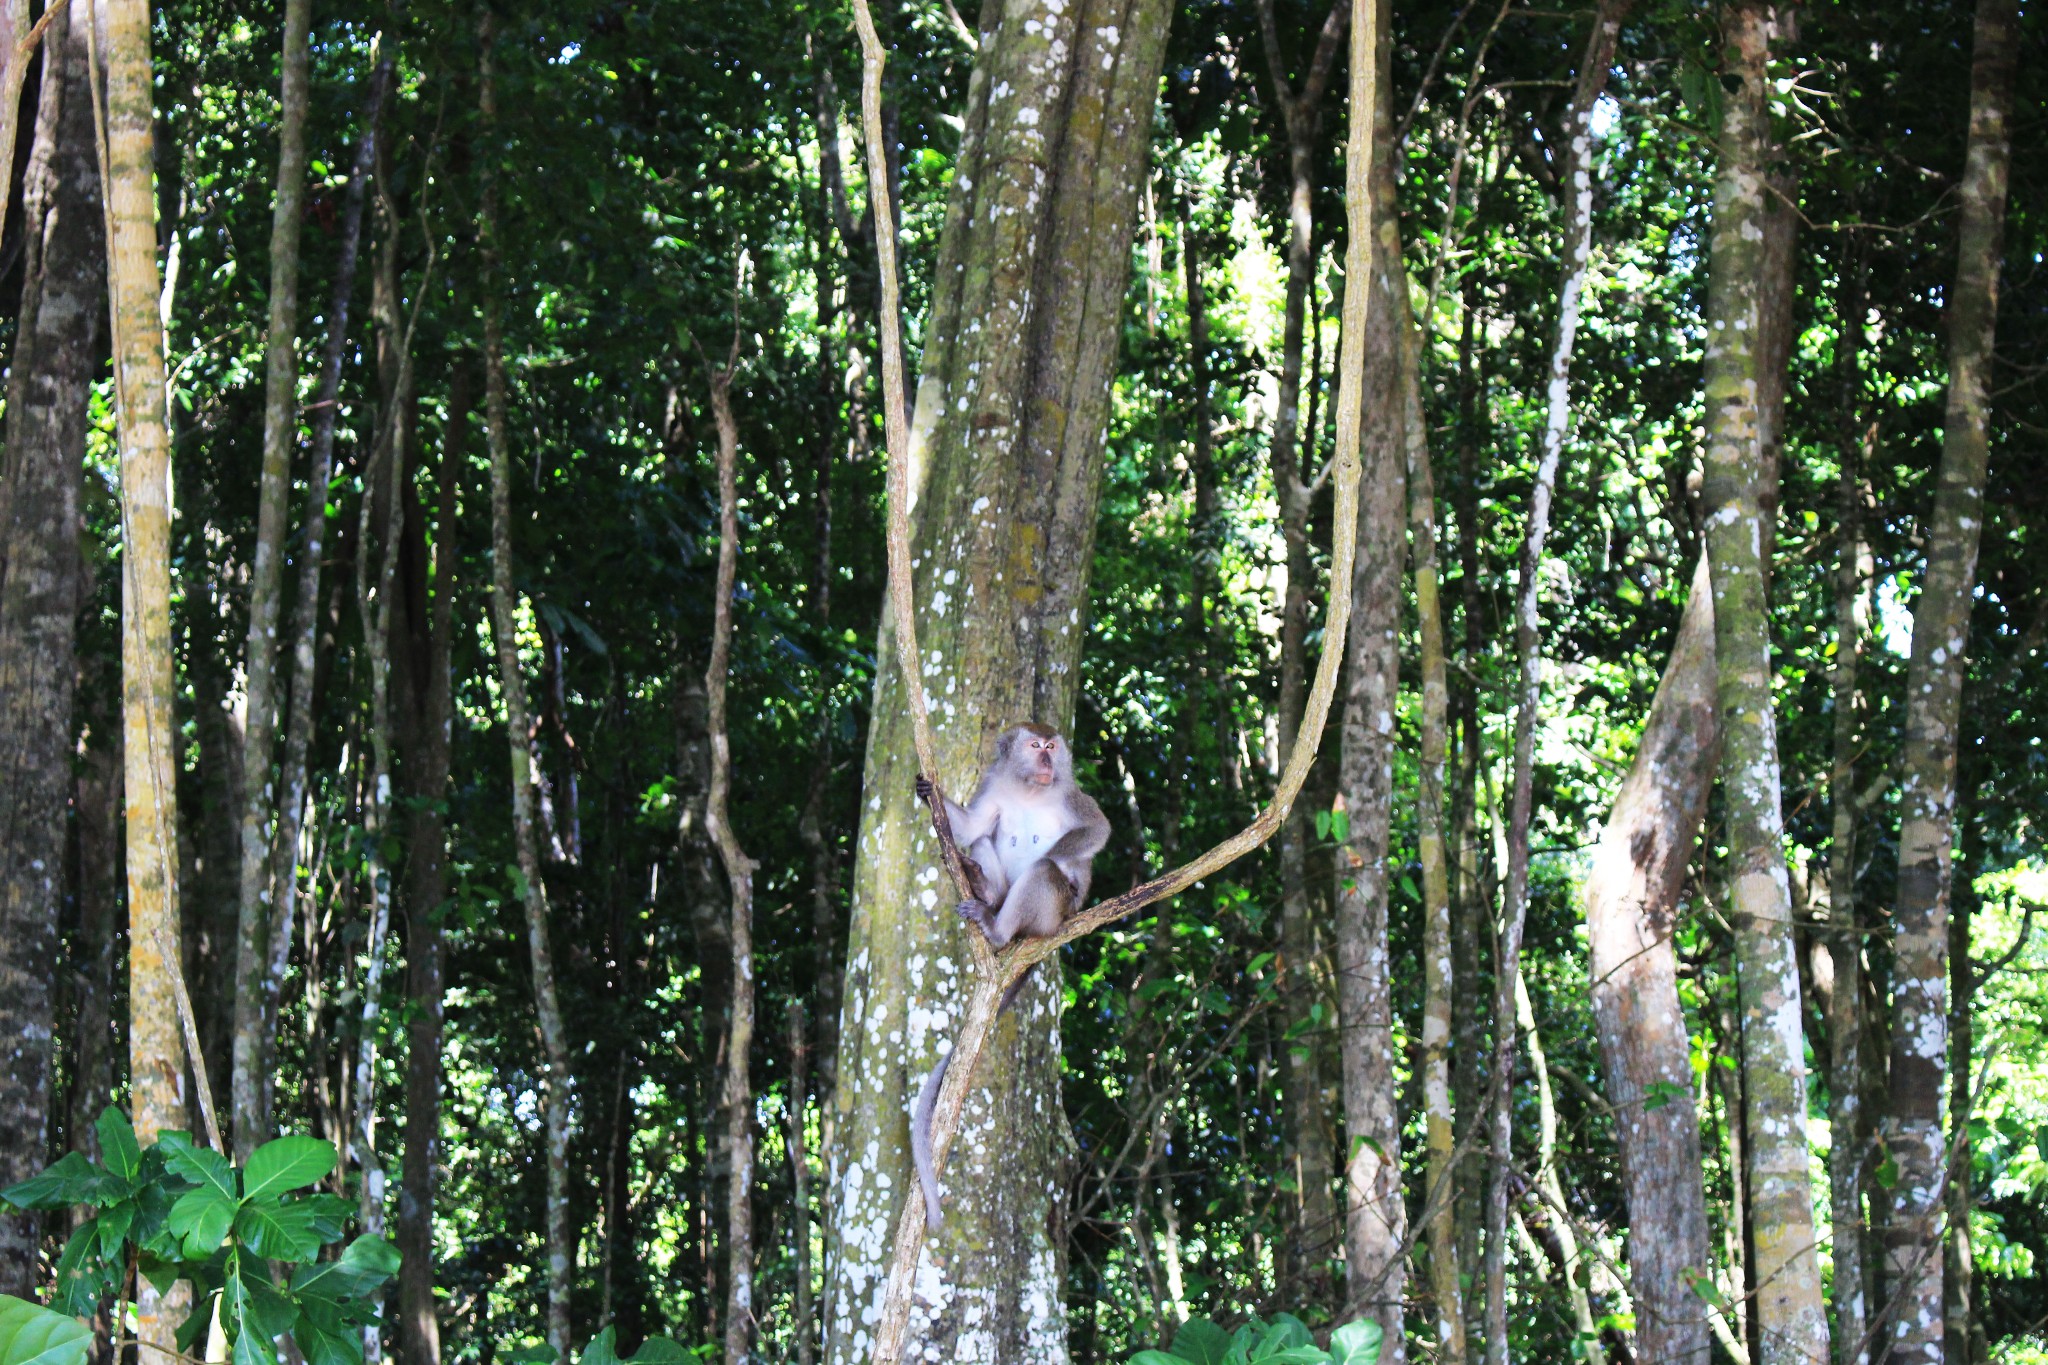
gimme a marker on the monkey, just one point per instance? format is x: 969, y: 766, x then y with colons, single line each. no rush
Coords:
x: 1033, y: 835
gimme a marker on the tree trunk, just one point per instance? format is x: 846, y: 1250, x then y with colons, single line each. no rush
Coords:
x: 1632, y: 895
x: 1375, y: 1218
x: 805, y: 1309
x: 1849, y: 1125
x: 1934, y: 684
x: 1787, y: 1308
x: 256, y: 1010
x: 738, y: 1097
x: 1006, y: 449
x: 374, y: 611
x: 266, y: 573
x: 49, y: 386
x: 156, y: 1053
x: 561, y: 1249
x: 1312, y: 1163
x: 431, y: 741
x: 1577, y: 257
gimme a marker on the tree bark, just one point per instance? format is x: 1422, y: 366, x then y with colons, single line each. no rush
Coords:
x: 1375, y: 1218
x: 1791, y: 1326
x: 1577, y: 256
x: 561, y: 1249
x: 1006, y: 448
x: 49, y: 386
x: 738, y: 1097
x: 266, y: 570
x: 431, y: 740
x: 1313, y: 1164
x: 156, y: 1052
x: 1934, y: 684
x: 1631, y: 897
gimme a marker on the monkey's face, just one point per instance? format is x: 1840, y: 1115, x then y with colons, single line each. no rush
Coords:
x: 1038, y: 755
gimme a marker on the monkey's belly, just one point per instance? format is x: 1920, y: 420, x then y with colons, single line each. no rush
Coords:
x: 1027, y: 833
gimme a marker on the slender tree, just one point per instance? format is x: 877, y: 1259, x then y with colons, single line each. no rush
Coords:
x: 50, y: 378
x: 256, y: 1015
x: 1934, y: 687
x: 1791, y: 1325
x: 533, y: 896
x: 1577, y: 181
x: 1306, y: 975
x: 156, y: 1052
x: 738, y: 1097
x: 266, y: 582
x: 1375, y: 1219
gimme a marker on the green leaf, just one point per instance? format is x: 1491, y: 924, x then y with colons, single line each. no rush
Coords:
x: 1356, y: 1343
x: 252, y: 1349
x: 33, y: 1335
x: 662, y: 1351
x: 1157, y: 1358
x: 355, y: 1274
x: 202, y: 1218
x: 114, y: 1225
x: 74, y: 1179
x: 83, y: 1277
x: 536, y: 1355
x: 286, y: 1164
x: 325, y: 1346
x: 1201, y: 1341
x: 279, y: 1232
x: 601, y: 1350
x: 1887, y: 1173
x: 200, y: 1165
x: 118, y: 1148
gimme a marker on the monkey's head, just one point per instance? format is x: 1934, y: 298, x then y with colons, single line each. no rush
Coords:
x: 1035, y: 755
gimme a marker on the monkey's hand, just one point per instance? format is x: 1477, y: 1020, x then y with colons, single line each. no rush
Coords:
x: 924, y: 789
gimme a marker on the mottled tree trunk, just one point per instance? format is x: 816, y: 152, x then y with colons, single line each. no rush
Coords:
x: 1305, y: 976
x: 1375, y: 1217
x: 1439, y: 1187
x: 804, y: 1311
x: 1791, y: 1326
x: 561, y: 1248
x: 737, y: 1099
x: 1577, y: 256
x: 1632, y: 899
x: 49, y: 385
x: 430, y: 742
x: 1007, y: 452
x: 156, y: 1053
x: 1934, y: 686
x: 266, y: 578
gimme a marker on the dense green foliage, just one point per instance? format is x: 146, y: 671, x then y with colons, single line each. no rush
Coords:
x: 666, y: 183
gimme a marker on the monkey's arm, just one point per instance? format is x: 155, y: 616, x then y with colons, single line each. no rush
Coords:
x: 1074, y: 852
x: 971, y: 822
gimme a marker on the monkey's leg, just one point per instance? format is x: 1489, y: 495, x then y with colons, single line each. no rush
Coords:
x: 1036, y: 906
x: 995, y: 886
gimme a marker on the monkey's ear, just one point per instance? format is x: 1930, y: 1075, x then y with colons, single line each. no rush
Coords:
x: 1004, y: 741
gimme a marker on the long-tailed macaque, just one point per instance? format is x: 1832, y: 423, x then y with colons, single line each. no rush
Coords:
x: 1034, y: 836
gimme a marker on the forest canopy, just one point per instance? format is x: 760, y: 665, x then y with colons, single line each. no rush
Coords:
x: 466, y: 893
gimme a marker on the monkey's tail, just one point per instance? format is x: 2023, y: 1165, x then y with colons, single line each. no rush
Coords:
x: 921, y: 1142
x: 921, y: 1119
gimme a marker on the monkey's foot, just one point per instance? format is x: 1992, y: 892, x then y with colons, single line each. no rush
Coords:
x: 974, y: 912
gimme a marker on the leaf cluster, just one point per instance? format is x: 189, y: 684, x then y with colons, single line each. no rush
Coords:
x: 1286, y: 1341
x: 176, y: 1211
